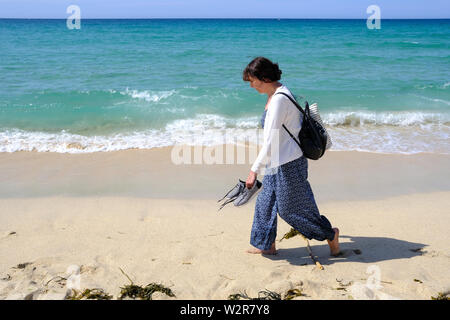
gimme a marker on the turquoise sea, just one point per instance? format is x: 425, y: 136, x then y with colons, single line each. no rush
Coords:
x: 119, y: 84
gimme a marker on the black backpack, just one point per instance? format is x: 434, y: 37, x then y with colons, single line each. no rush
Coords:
x: 313, y: 138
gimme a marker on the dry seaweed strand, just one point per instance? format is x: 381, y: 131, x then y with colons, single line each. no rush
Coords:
x: 292, y: 233
x: 267, y: 295
x: 262, y: 295
x: 238, y: 296
x: 292, y: 293
x: 123, y: 272
x: 22, y: 265
x: 387, y: 282
x: 144, y: 293
x: 442, y: 296
x: 90, y: 294
x: 60, y: 278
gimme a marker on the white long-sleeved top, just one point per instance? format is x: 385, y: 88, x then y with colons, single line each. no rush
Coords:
x: 278, y: 146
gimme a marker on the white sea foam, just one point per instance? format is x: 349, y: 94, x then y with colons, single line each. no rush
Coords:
x: 435, y: 100
x: 148, y: 95
x: 361, y: 118
x: 430, y: 86
x: 386, y: 140
x: 386, y: 133
x: 412, y: 42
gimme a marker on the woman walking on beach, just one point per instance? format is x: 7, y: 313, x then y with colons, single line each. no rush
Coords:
x: 286, y: 190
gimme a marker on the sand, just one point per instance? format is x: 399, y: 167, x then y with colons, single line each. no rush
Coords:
x: 72, y: 220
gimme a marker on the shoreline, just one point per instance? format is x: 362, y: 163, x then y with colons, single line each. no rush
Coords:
x: 338, y: 176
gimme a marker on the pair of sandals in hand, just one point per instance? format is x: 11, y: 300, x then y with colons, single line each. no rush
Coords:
x: 240, y: 194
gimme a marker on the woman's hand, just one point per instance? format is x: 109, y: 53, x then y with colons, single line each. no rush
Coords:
x: 251, y: 179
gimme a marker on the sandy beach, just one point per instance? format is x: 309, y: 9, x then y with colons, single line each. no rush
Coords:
x: 86, y: 216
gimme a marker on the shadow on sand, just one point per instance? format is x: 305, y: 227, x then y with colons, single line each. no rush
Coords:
x: 360, y: 249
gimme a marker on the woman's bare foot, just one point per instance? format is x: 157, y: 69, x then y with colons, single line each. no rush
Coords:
x: 272, y: 250
x: 334, y: 245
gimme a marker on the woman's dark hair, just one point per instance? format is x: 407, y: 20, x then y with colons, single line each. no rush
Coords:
x: 262, y: 69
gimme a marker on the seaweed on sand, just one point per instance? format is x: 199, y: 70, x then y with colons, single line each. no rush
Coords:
x: 442, y: 296
x: 144, y: 293
x: 292, y: 233
x: 267, y: 295
x: 91, y: 294
x: 292, y: 293
x: 262, y: 295
x: 22, y: 265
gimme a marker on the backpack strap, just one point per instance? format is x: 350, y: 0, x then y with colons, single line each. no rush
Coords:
x: 292, y: 136
x: 299, y: 108
x: 294, y: 102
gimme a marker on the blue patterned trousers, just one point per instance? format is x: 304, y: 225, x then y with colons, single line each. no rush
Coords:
x: 288, y: 193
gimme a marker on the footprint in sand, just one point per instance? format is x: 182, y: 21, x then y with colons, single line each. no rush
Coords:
x: 88, y: 269
x: 344, y: 253
x: 431, y: 253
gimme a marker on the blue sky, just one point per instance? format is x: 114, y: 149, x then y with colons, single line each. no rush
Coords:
x: 402, y: 9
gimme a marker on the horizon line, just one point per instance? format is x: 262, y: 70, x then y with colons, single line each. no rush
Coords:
x: 65, y: 18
